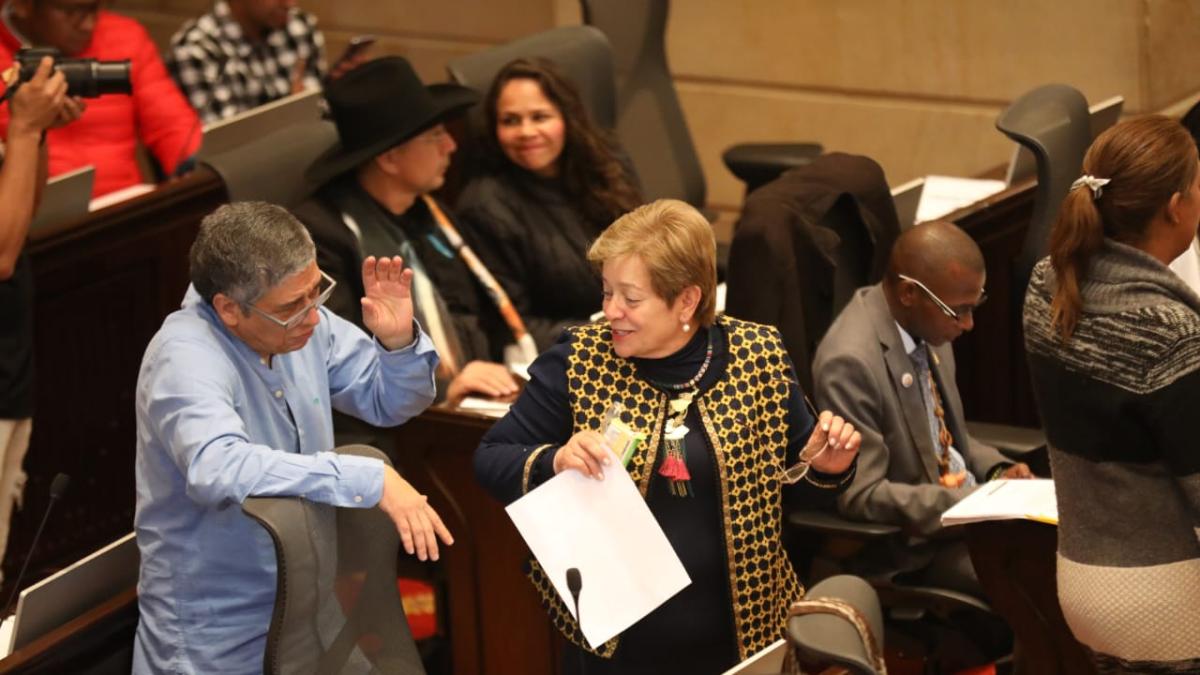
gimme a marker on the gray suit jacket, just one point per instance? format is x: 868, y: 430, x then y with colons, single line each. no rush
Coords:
x: 859, y: 374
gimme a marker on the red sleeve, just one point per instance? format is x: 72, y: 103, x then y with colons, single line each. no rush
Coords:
x: 167, y: 124
x: 6, y: 59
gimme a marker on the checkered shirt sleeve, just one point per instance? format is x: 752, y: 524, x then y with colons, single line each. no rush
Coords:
x: 221, y: 78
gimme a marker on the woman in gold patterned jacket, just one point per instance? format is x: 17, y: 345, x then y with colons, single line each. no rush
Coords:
x: 724, y: 418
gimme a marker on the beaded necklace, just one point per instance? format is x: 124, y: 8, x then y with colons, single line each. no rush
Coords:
x: 674, y: 464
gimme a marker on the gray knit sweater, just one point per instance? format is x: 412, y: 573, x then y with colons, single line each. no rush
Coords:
x: 1120, y: 402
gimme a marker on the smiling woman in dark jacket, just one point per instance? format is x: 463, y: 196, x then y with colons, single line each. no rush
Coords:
x: 551, y: 182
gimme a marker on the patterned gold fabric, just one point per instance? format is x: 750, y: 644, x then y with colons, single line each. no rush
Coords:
x: 744, y: 420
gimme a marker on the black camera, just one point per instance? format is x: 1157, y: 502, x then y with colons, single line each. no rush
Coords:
x: 88, y: 78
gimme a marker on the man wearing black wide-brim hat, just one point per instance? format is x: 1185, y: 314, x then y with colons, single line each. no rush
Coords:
x: 394, y: 149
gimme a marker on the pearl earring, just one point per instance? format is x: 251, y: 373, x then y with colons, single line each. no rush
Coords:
x: 686, y: 327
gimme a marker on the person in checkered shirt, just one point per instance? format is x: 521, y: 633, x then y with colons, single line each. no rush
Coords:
x: 245, y: 53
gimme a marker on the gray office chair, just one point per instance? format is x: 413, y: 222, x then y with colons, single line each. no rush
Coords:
x: 819, y: 638
x: 1051, y: 122
x: 650, y: 120
x: 337, y: 607
x: 271, y: 168
x: 581, y: 53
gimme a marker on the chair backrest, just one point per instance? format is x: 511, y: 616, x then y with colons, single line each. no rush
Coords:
x: 581, y: 53
x: 271, y: 168
x: 839, y: 623
x: 337, y: 607
x: 1052, y: 122
x: 1191, y: 121
x: 650, y: 121
x: 852, y: 257
x: 804, y: 243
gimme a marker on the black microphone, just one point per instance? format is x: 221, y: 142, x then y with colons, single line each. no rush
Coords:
x: 57, y: 487
x: 574, y: 585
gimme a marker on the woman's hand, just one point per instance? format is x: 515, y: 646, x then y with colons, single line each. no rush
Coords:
x: 842, y: 439
x: 586, y: 452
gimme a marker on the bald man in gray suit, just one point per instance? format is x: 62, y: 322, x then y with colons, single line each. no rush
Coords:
x: 887, y: 364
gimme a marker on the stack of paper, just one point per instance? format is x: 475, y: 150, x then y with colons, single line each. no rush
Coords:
x: 485, y: 406
x: 604, y: 529
x: 1007, y: 500
x: 946, y: 194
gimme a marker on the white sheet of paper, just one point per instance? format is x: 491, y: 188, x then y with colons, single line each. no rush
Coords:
x: 1007, y: 500
x: 485, y: 406
x: 945, y: 194
x: 121, y: 195
x: 605, y: 529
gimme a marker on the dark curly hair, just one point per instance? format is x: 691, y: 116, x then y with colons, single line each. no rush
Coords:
x: 591, y: 172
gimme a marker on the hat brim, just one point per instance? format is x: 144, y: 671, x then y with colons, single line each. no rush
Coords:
x: 449, y: 100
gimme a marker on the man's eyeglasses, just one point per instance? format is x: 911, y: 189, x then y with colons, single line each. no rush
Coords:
x: 324, y: 290
x: 949, y: 311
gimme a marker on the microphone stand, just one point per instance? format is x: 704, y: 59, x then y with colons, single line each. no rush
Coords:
x: 57, y: 487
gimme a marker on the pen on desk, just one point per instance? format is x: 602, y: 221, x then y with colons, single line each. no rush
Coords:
x: 999, y: 484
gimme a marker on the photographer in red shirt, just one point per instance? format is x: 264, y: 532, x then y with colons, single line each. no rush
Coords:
x: 111, y: 126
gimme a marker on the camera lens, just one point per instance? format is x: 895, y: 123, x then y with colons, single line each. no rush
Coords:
x: 90, y: 78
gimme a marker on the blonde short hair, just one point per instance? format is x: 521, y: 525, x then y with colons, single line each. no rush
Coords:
x: 677, y: 246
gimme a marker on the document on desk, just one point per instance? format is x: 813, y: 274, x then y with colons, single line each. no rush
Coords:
x: 1007, y: 500
x: 946, y: 194
x: 485, y: 406
x: 605, y: 529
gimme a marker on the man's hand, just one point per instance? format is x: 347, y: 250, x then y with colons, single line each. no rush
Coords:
x: 1019, y: 470
x: 298, y: 72
x: 842, y: 440
x: 419, y: 525
x: 38, y: 104
x: 482, y: 377
x: 348, y: 64
x: 387, y: 307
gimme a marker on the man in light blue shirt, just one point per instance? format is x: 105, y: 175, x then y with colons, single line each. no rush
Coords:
x: 234, y: 400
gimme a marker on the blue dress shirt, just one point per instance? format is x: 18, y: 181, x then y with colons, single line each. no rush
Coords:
x: 217, y: 424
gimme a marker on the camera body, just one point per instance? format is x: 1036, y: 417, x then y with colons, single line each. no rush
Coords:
x: 87, y: 78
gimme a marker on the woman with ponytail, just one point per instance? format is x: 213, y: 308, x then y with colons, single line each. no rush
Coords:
x: 1113, y: 338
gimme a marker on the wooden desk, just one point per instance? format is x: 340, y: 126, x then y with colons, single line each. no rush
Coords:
x: 1015, y: 561
x: 84, y: 644
x: 497, y: 625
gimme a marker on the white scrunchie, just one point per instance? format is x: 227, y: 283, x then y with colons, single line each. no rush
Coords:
x: 1094, y: 184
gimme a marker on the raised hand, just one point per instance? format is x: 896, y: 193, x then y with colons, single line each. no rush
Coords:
x: 387, y: 306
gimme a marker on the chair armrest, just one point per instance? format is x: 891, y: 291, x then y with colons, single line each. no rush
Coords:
x: 833, y: 524
x: 757, y: 164
x: 1014, y: 441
